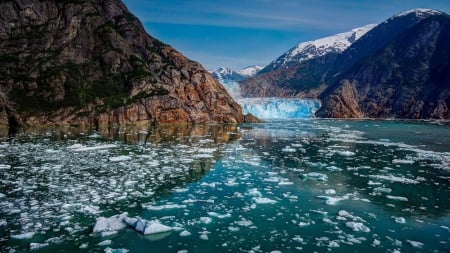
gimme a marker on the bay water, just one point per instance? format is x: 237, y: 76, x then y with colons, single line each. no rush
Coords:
x: 299, y: 185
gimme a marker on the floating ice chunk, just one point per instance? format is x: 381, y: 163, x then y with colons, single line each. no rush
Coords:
x: 185, y: 233
x: 345, y: 153
x: 254, y: 192
x: 382, y: 189
x: 89, y: 209
x: 120, y: 158
x: 331, y: 201
x: 34, y: 246
x: 262, y: 200
x: 373, y: 183
x: 330, y: 192
x: 304, y: 224
x: 272, y: 179
x: 219, y: 216
x: 244, y: 223
x: 163, y: 207
x: 400, y: 161
x: 205, y: 220
x: 376, y: 243
x: 395, y: 179
x: 399, y: 198
x: 357, y: 226
x: 285, y: 182
x: 298, y: 239
x: 114, y: 223
x: 210, y: 185
x: 5, y: 166
x: 151, y: 227
x: 109, y: 250
x: 83, y: 148
x: 27, y: 235
x: 316, y: 175
x: 105, y: 243
x: 415, y: 244
x: 84, y: 246
x: 400, y: 220
x: 288, y: 149
x: 3, y: 223
x: 204, y: 237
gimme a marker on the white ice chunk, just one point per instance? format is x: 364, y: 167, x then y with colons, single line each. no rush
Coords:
x: 317, y: 176
x: 120, y: 158
x: 34, y: 246
x: 331, y: 201
x: 114, y: 223
x: 105, y: 243
x: 401, y: 161
x: 3, y: 223
x: 205, y: 220
x: 219, y: 216
x: 395, y: 179
x: 185, y: 233
x: 330, y: 192
x: 415, y: 244
x: 357, y: 226
x: 254, y: 192
x: 151, y: 227
x: 345, y: 153
x: 262, y: 200
x: 109, y: 250
x: 27, y: 235
x: 399, y: 198
x: 163, y: 207
x: 400, y: 220
x: 83, y: 148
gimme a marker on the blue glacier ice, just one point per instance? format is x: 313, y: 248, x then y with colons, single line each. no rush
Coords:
x: 272, y: 108
x: 279, y: 108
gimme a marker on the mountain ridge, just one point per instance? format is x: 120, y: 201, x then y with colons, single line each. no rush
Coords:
x: 91, y: 62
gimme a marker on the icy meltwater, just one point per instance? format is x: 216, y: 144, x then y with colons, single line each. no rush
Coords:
x: 288, y: 186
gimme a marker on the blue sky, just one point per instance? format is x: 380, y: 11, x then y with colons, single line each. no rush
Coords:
x: 239, y: 33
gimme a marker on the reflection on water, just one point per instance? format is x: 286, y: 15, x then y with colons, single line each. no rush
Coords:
x: 289, y: 186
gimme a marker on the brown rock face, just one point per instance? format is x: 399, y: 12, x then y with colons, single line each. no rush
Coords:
x: 84, y: 62
x: 342, y: 103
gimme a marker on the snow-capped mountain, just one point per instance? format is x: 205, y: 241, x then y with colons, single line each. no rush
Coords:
x: 419, y: 13
x: 313, y: 49
x: 223, y: 73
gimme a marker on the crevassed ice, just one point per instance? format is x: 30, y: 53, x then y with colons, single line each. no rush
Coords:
x: 279, y: 108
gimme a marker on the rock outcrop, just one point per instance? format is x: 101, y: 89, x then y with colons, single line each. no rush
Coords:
x: 91, y: 62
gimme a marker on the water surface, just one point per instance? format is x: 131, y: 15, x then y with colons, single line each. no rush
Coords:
x: 286, y: 186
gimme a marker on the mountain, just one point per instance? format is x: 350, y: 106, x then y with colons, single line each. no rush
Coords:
x: 309, y: 50
x: 223, y: 73
x: 378, y: 38
x: 91, y: 62
x: 301, y: 68
x: 400, y: 71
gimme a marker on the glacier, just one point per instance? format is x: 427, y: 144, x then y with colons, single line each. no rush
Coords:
x: 279, y: 108
x: 272, y: 108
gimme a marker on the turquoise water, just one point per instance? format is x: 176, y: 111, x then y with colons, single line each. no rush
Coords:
x: 286, y: 186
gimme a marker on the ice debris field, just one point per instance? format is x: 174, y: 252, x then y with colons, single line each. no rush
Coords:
x: 289, y: 186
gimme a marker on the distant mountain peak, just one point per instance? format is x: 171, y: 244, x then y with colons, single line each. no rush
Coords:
x: 225, y: 73
x: 420, y: 13
x: 316, y: 48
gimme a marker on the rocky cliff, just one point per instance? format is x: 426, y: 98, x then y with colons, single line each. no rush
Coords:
x: 407, y: 78
x: 91, y: 62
